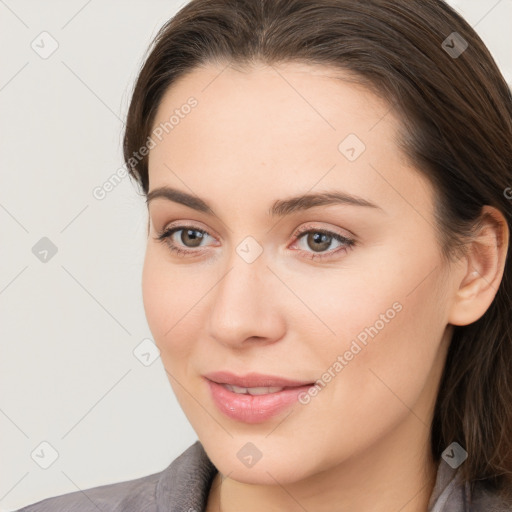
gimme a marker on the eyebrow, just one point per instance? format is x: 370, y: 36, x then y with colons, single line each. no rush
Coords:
x: 280, y: 208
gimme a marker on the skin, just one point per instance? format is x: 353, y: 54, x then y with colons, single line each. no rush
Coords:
x: 270, y: 133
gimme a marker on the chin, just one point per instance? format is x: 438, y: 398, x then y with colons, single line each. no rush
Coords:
x: 285, y: 464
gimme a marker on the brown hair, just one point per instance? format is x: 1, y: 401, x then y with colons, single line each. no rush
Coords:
x: 456, y: 116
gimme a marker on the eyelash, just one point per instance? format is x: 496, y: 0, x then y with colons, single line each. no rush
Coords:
x: 164, y: 237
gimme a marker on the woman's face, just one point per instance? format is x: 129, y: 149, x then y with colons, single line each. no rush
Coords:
x: 365, y: 318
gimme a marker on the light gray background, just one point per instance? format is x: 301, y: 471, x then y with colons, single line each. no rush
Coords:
x: 69, y: 326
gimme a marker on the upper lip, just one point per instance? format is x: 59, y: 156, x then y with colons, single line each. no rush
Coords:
x: 253, y: 380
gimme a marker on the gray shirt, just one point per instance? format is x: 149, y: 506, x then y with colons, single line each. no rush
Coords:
x: 185, y: 484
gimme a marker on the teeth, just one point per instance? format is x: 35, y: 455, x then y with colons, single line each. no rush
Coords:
x: 253, y: 391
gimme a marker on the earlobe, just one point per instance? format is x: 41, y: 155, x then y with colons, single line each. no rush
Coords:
x: 484, y: 267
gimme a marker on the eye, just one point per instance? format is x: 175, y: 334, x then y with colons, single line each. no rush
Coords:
x: 319, y: 240
x: 190, y: 235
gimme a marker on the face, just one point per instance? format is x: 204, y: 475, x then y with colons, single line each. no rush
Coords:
x: 349, y: 294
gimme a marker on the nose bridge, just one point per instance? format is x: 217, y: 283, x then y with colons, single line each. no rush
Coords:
x: 241, y: 307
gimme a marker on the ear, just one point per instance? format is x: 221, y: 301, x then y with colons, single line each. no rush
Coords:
x: 482, y: 269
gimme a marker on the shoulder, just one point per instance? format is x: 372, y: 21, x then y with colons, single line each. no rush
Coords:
x: 131, y: 495
x: 183, y: 485
x: 452, y: 493
x: 486, y: 500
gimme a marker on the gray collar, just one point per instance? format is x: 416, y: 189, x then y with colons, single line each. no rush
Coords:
x: 184, y: 485
x: 448, y: 493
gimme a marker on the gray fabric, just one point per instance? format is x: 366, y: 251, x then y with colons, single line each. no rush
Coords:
x: 451, y: 495
x: 184, y: 486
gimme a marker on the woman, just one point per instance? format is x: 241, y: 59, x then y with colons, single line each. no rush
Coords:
x: 327, y: 273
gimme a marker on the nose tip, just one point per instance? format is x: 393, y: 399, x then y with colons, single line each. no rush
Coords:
x: 242, y: 310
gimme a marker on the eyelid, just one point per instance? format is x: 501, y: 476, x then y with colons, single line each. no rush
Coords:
x: 312, y: 226
x: 297, y: 232
x: 195, y: 225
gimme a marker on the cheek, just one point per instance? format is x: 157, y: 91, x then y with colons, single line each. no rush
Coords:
x: 386, y: 375
x: 357, y: 302
x: 154, y: 294
x: 168, y: 304
x: 388, y: 322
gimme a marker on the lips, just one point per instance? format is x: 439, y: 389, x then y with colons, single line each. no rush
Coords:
x: 253, y: 398
x: 254, y: 380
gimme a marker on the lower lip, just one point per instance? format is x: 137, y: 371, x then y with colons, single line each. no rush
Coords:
x: 253, y: 409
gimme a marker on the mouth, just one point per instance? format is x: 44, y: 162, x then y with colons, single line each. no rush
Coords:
x: 253, y: 398
x: 254, y: 380
x: 253, y: 391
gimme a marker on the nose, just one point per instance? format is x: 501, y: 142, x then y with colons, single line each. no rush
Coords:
x: 244, y: 306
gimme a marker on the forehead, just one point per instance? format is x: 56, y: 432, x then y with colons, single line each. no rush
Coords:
x: 270, y: 96
x: 277, y: 128
x: 290, y: 113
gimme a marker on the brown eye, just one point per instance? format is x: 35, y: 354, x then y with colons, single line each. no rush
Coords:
x: 318, y: 241
x: 191, y: 237
x: 316, y: 244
